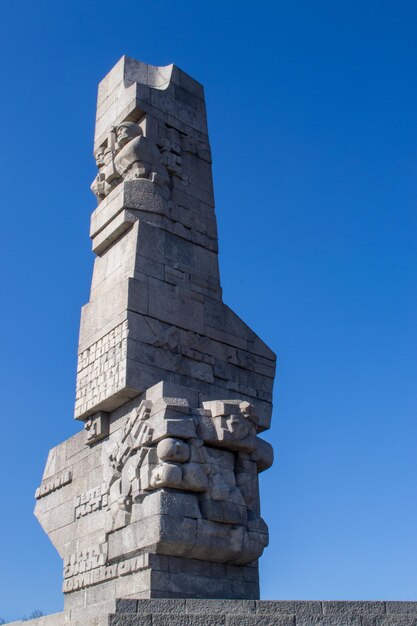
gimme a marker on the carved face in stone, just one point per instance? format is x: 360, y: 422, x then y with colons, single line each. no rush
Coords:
x: 127, y: 131
x: 173, y: 450
x: 99, y: 156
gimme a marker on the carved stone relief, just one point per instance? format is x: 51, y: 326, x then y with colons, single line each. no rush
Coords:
x: 210, y: 454
x: 129, y: 155
x: 124, y: 459
x: 96, y: 427
x: 211, y: 451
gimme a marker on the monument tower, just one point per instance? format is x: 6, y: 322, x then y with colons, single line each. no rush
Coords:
x: 157, y: 496
x: 154, y: 505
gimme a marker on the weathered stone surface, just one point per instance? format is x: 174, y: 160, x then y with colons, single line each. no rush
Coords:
x: 389, y: 620
x: 131, y: 620
x: 339, y: 620
x: 260, y: 620
x: 221, y: 606
x: 401, y: 607
x: 188, y: 620
x: 346, y: 607
x: 292, y: 607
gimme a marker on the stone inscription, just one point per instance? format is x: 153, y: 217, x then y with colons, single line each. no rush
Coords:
x: 90, y: 501
x: 101, y: 369
x: 52, y: 485
x: 98, y: 574
x: 86, y: 560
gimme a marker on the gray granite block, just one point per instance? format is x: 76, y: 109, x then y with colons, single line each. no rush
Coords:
x: 342, y: 619
x: 220, y: 606
x: 126, y: 606
x: 347, y: 607
x: 401, y: 607
x: 130, y: 619
x: 260, y: 620
x: 398, y: 619
x: 293, y: 607
x: 188, y: 620
x: 162, y: 605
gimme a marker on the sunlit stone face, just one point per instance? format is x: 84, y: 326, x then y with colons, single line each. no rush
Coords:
x: 127, y: 131
x: 99, y: 156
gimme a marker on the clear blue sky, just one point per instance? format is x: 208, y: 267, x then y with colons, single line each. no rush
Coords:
x: 313, y: 123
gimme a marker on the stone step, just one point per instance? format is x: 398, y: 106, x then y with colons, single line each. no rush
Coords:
x: 247, y: 619
x: 193, y: 612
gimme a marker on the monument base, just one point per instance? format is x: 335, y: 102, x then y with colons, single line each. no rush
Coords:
x: 167, y: 577
x: 200, y: 612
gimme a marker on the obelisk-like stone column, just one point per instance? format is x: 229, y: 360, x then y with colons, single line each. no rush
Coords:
x: 158, y: 495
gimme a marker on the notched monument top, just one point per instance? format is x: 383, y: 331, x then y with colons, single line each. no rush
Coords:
x: 134, y: 85
x: 158, y: 495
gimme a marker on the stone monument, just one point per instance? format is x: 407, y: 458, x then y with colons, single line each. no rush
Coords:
x: 157, y: 496
x: 154, y: 505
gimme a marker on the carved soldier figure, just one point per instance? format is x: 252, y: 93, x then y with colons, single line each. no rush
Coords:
x: 98, y: 186
x: 107, y: 178
x: 137, y: 156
